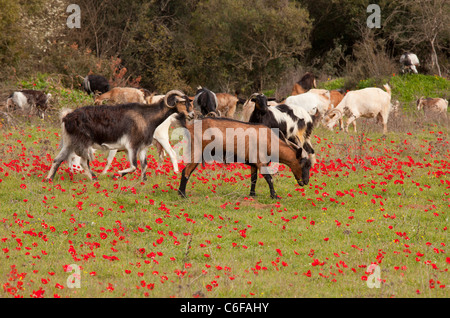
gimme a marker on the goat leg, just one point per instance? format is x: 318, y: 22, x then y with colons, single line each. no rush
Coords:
x: 132, y: 158
x: 87, y: 169
x: 254, y: 178
x: 62, y: 156
x: 185, y: 174
x: 269, y: 181
x: 143, y: 160
x: 109, y: 160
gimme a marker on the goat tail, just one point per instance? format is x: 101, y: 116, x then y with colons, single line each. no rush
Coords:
x: 387, y: 88
x: 64, y: 112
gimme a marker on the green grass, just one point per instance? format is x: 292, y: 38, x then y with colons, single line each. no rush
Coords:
x: 370, y: 200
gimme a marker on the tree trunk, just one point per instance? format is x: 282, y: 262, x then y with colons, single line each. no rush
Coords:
x: 434, y: 57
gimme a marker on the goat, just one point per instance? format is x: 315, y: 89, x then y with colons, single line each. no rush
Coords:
x: 206, y: 101
x: 409, y: 62
x: 307, y: 82
x: 29, y: 100
x: 227, y: 104
x: 334, y: 96
x: 310, y: 101
x: 294, y: 122
x: 161, y: 138
x: 231, y: 145
x: 93, y: 84
x: 128, y: 127
x: 249, y: 107
x: 371, y: 102
x: 122, y: 95
x: 433, y: 106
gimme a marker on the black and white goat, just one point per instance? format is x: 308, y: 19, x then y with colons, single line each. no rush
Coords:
x: 29, y: 101
x: 94, y: 84
x: 295, y: 123
x: 124, y: 127
x: 206, y: 101
x: 409, y: 62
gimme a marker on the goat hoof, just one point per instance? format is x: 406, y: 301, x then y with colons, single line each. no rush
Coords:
x: 275, y: 196
x: 252, y: 194
x: 182, y: 194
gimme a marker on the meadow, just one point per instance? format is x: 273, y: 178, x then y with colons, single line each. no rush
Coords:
x: 372, y: 200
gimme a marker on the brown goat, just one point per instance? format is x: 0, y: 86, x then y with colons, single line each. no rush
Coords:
x: 433, y: 106
x: 253, y: 144
x: 227, y: 103
x: 123, y: 95
x: 307, y: 82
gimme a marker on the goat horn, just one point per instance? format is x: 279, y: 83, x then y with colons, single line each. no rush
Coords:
x: 334, y: 111
x: 251, y: 96
x: 212, y: 114
x: 172, y: 92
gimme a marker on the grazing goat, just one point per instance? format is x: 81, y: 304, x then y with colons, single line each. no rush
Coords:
x: 227, y: 104
x: 409, y: 62
x: 128, y: 127
x: 307, y: 82
x: 369, y: 102
x: 294, y: 122
x: 29, y: 100
x: 334, y: 96
x: 253, y: 144
x: 433, y: 106
x: 310, y: 101
x: 93, y: 84
x: 123, y: 95
x: 206, y: 101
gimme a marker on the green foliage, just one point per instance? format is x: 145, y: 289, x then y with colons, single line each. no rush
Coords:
x: 331, y: 84
x: 62, y: 97
x: 409, y: 87
x: 246, y: 43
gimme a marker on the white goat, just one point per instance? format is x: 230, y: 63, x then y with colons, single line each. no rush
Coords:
x: 311, y: 101
x: 29, y: 101
x: 409, y: 61
x: 369, y: 102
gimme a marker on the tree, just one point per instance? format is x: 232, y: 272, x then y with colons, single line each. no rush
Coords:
x: 426, y: 23
x: 246, y: 42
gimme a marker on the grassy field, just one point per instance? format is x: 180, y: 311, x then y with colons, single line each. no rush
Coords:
x: 371, y: 200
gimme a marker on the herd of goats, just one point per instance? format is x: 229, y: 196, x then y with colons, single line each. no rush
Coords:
x: 134, y: 118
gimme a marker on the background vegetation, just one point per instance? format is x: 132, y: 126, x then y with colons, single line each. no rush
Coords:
x: 225, y: 45
x: 370, y: 200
